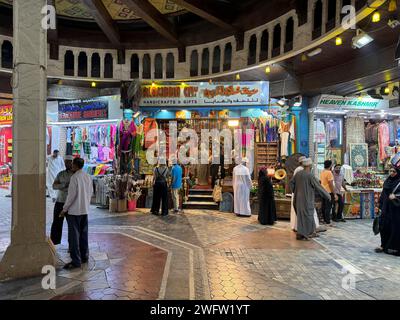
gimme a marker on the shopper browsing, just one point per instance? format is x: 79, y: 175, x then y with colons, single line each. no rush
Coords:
x: 77, y: 205
x: 61, y: 184
x: 160, y: 188
x: 327, y: 182
x: 339, y: 184
x: 176, y: 185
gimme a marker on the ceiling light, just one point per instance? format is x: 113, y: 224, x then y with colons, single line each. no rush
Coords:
x: 238, y: 77
x: 392, y: 5
x: 153, y: 84
x: 339, y: 41
x: 361, y: 39
x: 268, y: 69
x: 298, y: 101
x: 314, y: 52
x: 376, y: 17
x: 233, y: 123
x: 282, y: 102
x: 94, y: 84
x: 304, y: 57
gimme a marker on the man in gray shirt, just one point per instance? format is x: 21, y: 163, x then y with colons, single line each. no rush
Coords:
x: 61, y: 184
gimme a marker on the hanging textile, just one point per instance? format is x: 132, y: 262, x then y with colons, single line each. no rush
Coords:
x: 355, y: 130
x: 384, y: 141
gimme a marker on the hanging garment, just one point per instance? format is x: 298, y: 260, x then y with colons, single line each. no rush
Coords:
x: 284, y: 144
x: 127, y: 131
x: 355, y: 130
x: 383, y: 140
x: 331, y: 131
x: 320, y: 133
x: 241, y: 188
x: 149, y: 124
x: 347, y: 172
x: 392, y: 137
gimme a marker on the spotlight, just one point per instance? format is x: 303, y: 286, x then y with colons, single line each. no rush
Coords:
x: 282, y: 102
x: 376, y: 17
x: 153, y: 84
x: 233, y: 123
x: 384, y: 91
x: 94, y: 84
x: 314, y: 52
x: 339, y: 41
x: 361, y: 39
x: 304, y: 57
x: 268, y: 69
x: 238, y: 77
x: 298, y: 101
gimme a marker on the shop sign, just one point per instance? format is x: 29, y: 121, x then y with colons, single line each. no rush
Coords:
x: 6, y: 115
x: 83, y: 110
x: 206, y: 94
x: 352, y: 102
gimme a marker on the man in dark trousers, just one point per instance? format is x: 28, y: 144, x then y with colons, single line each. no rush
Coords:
x: 61, y: 184
x: 77, y: 205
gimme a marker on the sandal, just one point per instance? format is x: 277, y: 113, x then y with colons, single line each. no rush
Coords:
x: 379, y: 250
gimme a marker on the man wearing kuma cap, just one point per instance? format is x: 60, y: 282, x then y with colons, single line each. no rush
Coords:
x: 61, y: 184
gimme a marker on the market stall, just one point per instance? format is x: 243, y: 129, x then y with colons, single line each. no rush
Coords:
x: 363, y: 135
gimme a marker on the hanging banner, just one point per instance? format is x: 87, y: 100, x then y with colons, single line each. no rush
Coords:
x: 206, y: 94
x: 6, y: 115
x: 83, y: 110
x: 352, y: 102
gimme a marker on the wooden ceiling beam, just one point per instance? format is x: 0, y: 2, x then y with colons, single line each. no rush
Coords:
x: 207, y: 10
x: 104, y: 21
x: 145, y: 10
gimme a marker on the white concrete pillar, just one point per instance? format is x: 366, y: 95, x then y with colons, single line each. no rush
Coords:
x: 152, y: 65
x: 140, y: 55
x: 258, y: 50
x: 102, y: 64
x: 76, y: 64
x: 164, y: 65
x: 29, y: 250
x: 89, y: 63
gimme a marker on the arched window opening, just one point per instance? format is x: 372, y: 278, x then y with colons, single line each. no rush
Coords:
x: 135, y: 66
x: 82, y: 65
x: 95, y: 65
x: 289, y: 34
x: 194, y: 64
x: 146, y: 66
x: 264, y: 45
x: 216, y: 60
x: 277, y: 40
x: 331, y: 15
x: 205, y: 62
x: 7, y: 55
x: 317, y: 21
x: 158, y: 66
x: 69, y: 63
x: 170, y: 66
x: 228, y: 57
x: 108, y: 66
x: 252, y: 57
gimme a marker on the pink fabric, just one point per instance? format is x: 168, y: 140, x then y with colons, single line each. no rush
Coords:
x: 384, y: 140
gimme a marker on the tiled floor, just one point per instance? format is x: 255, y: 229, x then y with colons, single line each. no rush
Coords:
x: 208, y: 255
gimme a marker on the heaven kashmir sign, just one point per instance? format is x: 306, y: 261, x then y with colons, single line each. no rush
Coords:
x: 352, y: 102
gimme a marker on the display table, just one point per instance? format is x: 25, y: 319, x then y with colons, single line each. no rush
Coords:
x: 361, y: 203
x: 283, y: 206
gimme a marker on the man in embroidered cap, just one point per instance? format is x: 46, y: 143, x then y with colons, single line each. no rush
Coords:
x: 304, y: 185
x: 61, y: 184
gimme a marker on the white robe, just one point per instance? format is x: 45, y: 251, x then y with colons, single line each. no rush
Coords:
x: 293, y: 216
x: 54, y: 167
x: 241, y: 189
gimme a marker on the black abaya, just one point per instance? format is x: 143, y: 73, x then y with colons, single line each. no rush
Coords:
x: 390, y: 218
x: 266, y: 200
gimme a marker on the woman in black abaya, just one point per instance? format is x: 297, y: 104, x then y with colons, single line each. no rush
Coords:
x: 266, y: 200
x: 390, y: 214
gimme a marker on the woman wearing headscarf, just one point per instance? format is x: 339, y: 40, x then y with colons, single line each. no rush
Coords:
x: 390, y: 214
x: 266, y: 199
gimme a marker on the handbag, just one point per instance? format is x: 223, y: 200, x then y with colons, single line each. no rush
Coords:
x: 376, y: 226
x: 217, y: 193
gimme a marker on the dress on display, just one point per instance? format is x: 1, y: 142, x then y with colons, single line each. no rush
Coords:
x: 241, y: 188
